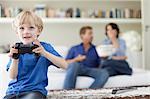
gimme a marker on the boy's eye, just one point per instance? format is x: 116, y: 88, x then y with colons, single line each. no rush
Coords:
x: 31, y: 27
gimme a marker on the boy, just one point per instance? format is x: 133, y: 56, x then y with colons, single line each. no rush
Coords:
x: 28, y: 72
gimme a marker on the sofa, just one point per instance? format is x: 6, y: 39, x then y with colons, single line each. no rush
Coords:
x: 56, y: 76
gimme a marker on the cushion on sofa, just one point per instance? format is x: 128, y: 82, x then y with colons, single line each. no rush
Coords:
x: 56, y: 80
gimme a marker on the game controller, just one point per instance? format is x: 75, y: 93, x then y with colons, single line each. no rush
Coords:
x: 22, y: 49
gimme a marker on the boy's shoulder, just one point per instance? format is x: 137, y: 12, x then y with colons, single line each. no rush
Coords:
x: 46, y: 45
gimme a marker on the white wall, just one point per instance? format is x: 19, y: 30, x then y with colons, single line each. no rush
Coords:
x: 146, y: 31
x: 63, y: 33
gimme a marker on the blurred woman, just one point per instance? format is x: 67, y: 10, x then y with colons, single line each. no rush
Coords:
x: 115, y: 63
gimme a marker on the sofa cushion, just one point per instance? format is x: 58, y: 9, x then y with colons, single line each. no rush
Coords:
x: 56, y: 79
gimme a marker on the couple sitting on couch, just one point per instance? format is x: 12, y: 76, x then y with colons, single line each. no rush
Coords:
x: 29, y: 72
x: 83, y: 59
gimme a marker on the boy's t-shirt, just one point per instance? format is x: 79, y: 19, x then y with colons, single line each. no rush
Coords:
x: 32, y: 72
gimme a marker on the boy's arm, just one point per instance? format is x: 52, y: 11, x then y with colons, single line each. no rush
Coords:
x: 13, y: 69
x: 71, y: 60
x: 13, y: 66
x: 58, y: 61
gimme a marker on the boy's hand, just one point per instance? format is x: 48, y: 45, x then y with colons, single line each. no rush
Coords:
x: 40, y: 49
x: 12, y: 51
x: 80, y: 58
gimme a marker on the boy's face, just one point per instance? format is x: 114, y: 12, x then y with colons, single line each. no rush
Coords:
x: 27, y: 33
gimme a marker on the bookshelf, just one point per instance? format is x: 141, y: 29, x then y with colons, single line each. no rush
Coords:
x: 86, y: 7
x: 81, y: 20
x: 76, y: 8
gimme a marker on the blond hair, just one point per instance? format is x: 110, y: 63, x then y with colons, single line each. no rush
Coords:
x: 29, y: 18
